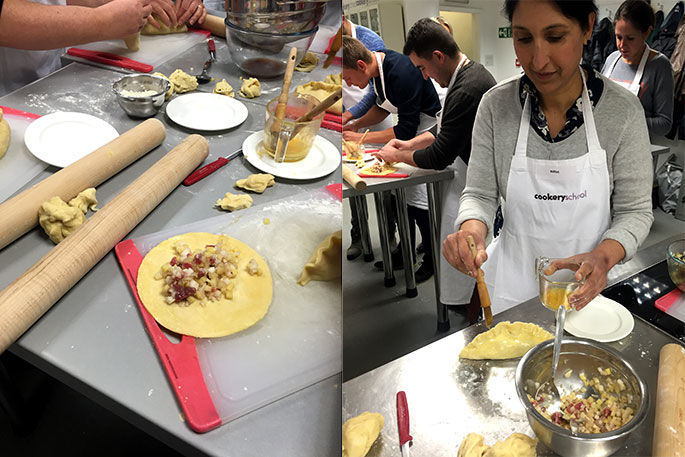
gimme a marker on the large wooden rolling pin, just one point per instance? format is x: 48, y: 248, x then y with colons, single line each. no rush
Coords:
x: 28, y: 297
x: 353, y: 178
x: 20, y: 213
x: 214, y: 24
x: 669, y: 419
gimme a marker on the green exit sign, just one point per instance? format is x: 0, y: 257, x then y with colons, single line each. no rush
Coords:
x: 504, y: 32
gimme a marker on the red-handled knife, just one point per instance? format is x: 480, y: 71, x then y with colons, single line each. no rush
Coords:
x: 208, y: 169
x: 403, y: 423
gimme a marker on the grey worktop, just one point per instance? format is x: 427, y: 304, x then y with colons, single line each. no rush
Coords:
x: 93, y: 339
x: 449, y: 398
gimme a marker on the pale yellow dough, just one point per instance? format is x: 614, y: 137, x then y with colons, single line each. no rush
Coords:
x: 320, y: 91
x: 170, y: 92
x: 326, y: 261
x: 223, y: 88
x: 386, y: 170
x: 256, y: 183
x: 4, y: 135
x: 359, y: 433
x: 516, y: 445
x: 250, y: 88
x: 505, y: 341
x: 182, y: 81
x: 150, y: 29
x: 59, y: 219
x: 133, y: 42
x: 251, y: 295
x: 334, y: 78
x: 232, y: 202
x: 308, y: 62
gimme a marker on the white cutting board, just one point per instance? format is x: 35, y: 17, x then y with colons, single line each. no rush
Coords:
x: 299, y: 341
x: 18, y: 166
x: 154, y: 49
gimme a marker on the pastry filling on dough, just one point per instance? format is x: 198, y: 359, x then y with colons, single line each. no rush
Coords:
x: 199, y: 275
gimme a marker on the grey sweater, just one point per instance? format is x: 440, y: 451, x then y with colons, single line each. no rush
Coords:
x: 622, y: 132
x: 656, y: 89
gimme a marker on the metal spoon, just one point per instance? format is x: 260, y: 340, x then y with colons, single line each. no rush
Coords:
x: 204, y: 78
x: 549, y: 387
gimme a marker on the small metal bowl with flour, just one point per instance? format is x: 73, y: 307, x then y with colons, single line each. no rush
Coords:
x: 141, y: 95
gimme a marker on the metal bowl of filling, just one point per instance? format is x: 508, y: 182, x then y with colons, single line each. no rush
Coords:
x: 280, y: 17
x: 602, y: 395
x: 141, y: 95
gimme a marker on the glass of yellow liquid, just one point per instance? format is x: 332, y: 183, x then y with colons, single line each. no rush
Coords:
x: 297, y: 138
x: 555, y: 288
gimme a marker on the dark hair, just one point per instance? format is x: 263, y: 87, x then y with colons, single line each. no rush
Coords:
x: 354, y: 50
x: 578, y: 10
x: 426, y: 36
x: 637, y: 12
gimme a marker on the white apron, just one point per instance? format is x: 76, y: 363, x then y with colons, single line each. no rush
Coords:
x: 455, y: 287
x: 633, y: 87
x: 416, y: 195
x: 554, y: 208
x: 19, y: 67
x: 353, y: 95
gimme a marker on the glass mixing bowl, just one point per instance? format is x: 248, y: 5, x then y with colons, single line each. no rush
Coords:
x: 675, y: 260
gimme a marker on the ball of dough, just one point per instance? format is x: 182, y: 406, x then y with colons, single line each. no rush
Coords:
x: 223, y: 88
x: 359, y: 433
x: 308, y: 62
x: 150, y: 29
x: 58, y: 219
x: 232, y: 202
x: 256, y: 183
x: 170, y: 92
x: 251, y: 88
x: 4, y: 135
x: 182, y: 81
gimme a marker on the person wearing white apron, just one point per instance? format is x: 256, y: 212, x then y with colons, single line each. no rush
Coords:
x: 541, y: 229
x: 646, y: 73
x: 465, y: 83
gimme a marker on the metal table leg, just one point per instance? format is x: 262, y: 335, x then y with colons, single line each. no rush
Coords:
x: 363, y: 220
x: 434, y: 217
x: 403, y: 227
x: 389, y: 279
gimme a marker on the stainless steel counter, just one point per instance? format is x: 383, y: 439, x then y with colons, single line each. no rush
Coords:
x: 449, y: 398
x: 94, y: 340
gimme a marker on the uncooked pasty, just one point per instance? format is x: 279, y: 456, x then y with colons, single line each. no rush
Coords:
x: 250, y: 293
x: 359, y: 433
x: 505, y: 341
x: 170, y: 92
x: 472, y: 446
x: 232, y: 202
x: 516, y: 445
x: 308, y: 62
x: 150, y: 29
x: 251, y: 88
x: 133, y: 42
x: 326, y: 261
x: 320, y: 91
x: 223, y: 88
x: 4, y: 135
x: 60, y: 219
x: 182, y: 81
x: 256, y: 183
x: 379, y: 169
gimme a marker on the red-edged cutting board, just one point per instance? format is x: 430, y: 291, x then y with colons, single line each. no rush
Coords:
x: 673, y: 303
x: 18, y: 166
x: 296, y: 344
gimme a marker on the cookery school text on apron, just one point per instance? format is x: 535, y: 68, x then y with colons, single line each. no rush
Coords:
x: 554, y: 208
x: 416, y: 195
x: 634, y: 86
x: 455, y: 287
x: 353, y: 95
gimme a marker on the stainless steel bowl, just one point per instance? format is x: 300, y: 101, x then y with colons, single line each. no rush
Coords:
x: 579, y: 355
x: 275, y: 16
x: 262, y: 54
x: 129, y: 91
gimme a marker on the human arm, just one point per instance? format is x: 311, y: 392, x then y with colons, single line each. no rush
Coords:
x: 365, y: 104
x: 660, y: 116
x: 403, y: 151
x: 372, y: 117
x: 372, y: 137
x: 34, y: 26
x: 190, y: 11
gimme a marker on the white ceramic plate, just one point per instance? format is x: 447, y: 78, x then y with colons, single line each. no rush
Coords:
x: 366, y: 156
x: 62, y: 138
x: 602, y: 320
x: 201, y: 111
x: 323, y: 159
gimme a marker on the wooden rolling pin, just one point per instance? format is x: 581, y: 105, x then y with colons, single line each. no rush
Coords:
x: 25, y: 300
x: 215, y: 25
x: 669, y: 419
x: 20, y: 213
x: 353, y: 178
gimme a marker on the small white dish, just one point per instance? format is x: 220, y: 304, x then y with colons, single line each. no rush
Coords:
x: 602, y: 320
x: 323, y: 159
x: 202, y: 111
x: 62, y: 138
